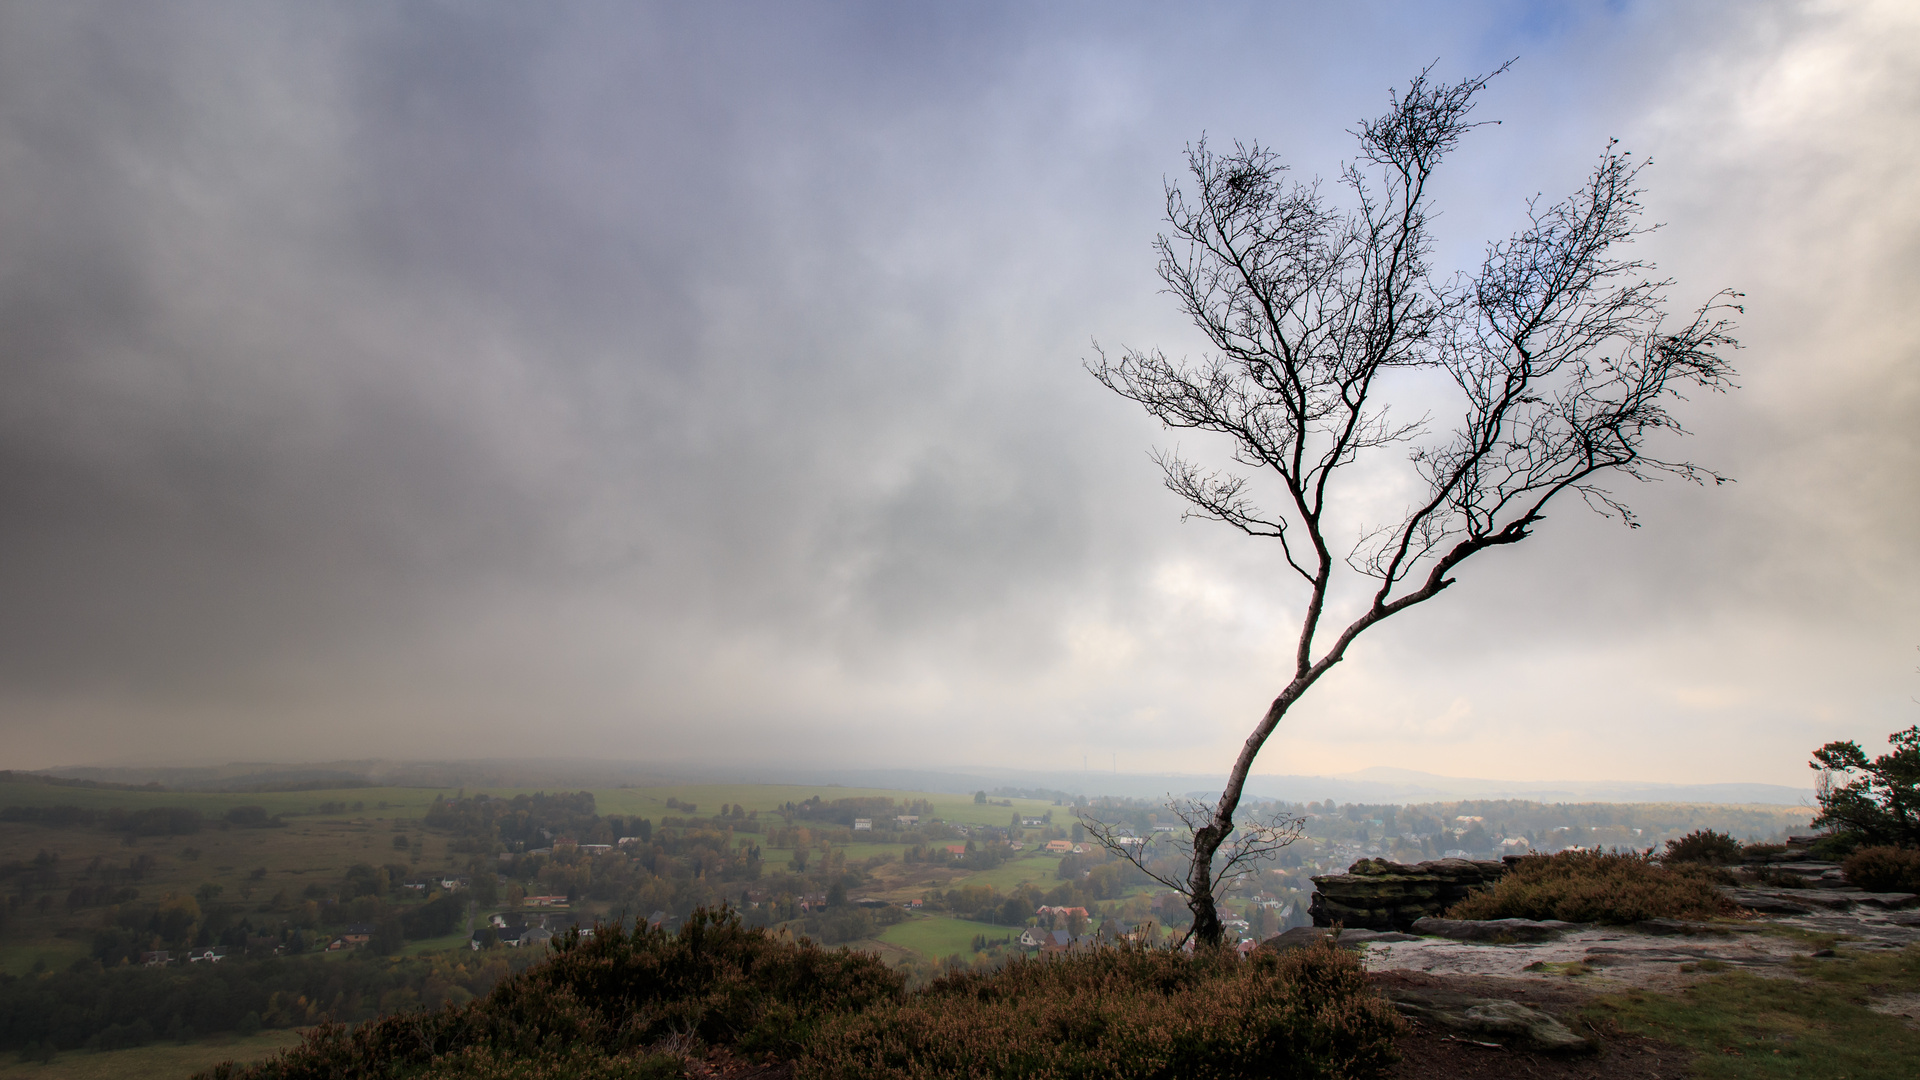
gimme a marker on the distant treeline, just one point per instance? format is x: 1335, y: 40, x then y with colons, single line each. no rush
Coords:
x: 9, y: 776
x: 151, y: 821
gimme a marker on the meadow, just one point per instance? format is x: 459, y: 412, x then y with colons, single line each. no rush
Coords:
x: 162, y: 1059
x: 939, y: 936
x: 364, y: 825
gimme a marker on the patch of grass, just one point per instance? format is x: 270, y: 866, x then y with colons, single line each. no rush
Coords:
x: 1042, y: 870
x: 52, y: 953
x: 1818, y: 1026
x: 159, y: 1060
x: 937, y: 937
x: 1569, y: 968
x: 1813, y: 939
x: 1598, y: 887
x: 457, y: 940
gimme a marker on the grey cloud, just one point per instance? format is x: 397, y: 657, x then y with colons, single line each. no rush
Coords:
x: 681, y: 371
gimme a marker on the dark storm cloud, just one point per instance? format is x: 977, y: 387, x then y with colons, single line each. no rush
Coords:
x: 660, y: 377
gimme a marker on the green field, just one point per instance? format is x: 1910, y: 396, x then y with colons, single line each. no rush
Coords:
x: 390, y: 802
x: 937, y: 936
x: 158, y: 1060
x: 1042, y: 870
x: 53, y: 953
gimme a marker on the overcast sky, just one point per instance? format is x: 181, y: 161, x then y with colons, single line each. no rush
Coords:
x: 702, y: 384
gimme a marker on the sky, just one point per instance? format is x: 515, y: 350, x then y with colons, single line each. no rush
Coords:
x: 704, y: 384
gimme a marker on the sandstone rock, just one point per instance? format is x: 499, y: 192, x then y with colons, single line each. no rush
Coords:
x: 1301, y: 936
x: 1494, y: 930
x: 1488, y: 1018
x: 1665, y: 927
x: 1805, y: 901
x: 1768, y: 903
x: 1375, y: 894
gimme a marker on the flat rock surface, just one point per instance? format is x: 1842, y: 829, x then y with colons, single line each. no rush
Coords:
x: 1800, y: 901
x: 1497, y: 930
x: 1652, y: 956
x: 1301, y: 936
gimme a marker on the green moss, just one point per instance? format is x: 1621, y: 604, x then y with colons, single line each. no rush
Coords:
x: 1817, y: 1025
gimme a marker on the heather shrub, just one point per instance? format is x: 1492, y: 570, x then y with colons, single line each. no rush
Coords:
x: 1884, y: 869
x: 1704, y: 846
x: 614, y: 995
x: 1598, y: 887
x: 1122, y: 1014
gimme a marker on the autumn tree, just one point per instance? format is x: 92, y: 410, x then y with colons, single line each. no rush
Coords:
x: 1555, y: 361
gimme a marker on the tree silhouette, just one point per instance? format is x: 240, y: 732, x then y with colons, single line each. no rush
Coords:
x: 1557, y: 355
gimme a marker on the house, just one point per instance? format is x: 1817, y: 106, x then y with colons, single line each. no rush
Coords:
x: 958, y: 851
x: 1064, y: 912
x: 211, y: 956
x: 627, y: 840
x: 1032, y: 822
x: 1060, y: 847
x: 1060, y: 941
x: 595, y: 849
x: 357, y: 935
x: 1033, y: 937
x: 545, y: 901
x: 862, y: 824
x: 906, y: 820
x: 1163, y: 828
x: 156, y: 958
x: 1015, y: 845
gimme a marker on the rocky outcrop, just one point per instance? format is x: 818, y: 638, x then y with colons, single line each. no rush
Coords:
x: 1375, y: 894
x: 1302, y: 936
x: 1497, y: 931
x: 1507, y: 1022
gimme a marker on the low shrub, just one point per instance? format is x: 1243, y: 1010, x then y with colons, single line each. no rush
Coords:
x: 615, y: 994
x: 636, y: 1006
x: 1599, y: 887
x: 1120, y: 1014
x: 1704, y: 846
x: 1884, y: 869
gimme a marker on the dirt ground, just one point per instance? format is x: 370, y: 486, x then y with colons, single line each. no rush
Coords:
x: 1431, y: 1054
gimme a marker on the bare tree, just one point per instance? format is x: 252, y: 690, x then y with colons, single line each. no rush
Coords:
x: 1254, y: 840
x: 1557, y: 353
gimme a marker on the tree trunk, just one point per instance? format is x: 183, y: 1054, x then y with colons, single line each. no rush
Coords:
x: 1206, y: 915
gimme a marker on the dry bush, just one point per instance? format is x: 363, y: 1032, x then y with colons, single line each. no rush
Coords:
x: 618, y: 997
x: 1121, y: 1014
x: 1598, y: 887
x: 1884, y: 869
x: 1704, y: 846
